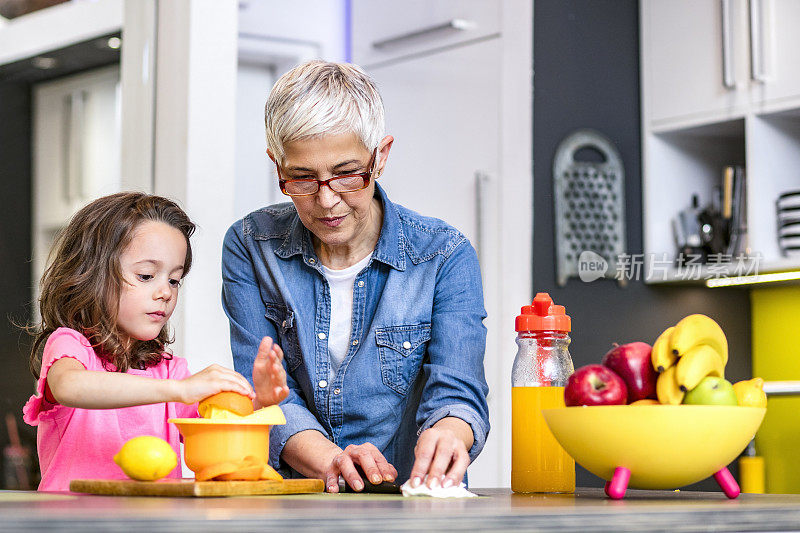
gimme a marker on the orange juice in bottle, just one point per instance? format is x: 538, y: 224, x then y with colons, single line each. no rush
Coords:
x: 540, y: 372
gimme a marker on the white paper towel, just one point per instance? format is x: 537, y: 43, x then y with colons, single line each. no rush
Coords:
x: 456, y: 491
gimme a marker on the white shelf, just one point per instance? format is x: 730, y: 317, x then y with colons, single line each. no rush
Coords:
x: 685, y: 161
x: 706, y: 104
x: 58, y: 26
x: 679, y: 164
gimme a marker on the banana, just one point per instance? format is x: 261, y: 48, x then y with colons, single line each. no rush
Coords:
x: 698, y: 329
x: 662, y: 355
x: 700, y: 361
x: 667, y: 388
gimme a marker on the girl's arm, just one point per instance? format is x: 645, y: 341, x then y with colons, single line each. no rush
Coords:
x: 73, y: 386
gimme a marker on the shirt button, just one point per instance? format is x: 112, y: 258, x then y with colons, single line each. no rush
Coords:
x: 336, y: 391
x: 321, y: 336
x: 407, y: 345
x: 361, y: 283
x: 323, y: 384
x: 355, y: 342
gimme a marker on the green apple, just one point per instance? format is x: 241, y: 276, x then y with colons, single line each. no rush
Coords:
x: 712, y: 391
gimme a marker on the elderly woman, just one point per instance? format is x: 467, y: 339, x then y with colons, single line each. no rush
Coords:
x: 378, y: 309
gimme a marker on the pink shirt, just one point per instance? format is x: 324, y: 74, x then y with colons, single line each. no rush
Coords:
x: 78, y: 443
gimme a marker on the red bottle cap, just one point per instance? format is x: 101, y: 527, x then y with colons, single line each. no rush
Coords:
x: 543, y: 315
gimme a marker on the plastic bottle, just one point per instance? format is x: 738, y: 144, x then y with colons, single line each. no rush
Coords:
x: 538, y: 378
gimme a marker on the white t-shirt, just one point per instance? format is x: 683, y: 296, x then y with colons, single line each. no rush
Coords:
x: 341, y: 285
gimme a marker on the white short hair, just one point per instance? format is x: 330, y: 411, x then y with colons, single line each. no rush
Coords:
x: 320, y: 98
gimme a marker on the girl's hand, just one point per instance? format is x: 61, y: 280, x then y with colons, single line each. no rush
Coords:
x: 211, y: 380
x: 441, y: 454
x: 372, y: 462
x: 269, y: 377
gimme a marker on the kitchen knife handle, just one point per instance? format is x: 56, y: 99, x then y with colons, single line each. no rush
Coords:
x: 728, y: 74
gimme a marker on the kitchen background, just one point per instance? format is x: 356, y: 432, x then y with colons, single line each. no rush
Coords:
x: 469, y: 125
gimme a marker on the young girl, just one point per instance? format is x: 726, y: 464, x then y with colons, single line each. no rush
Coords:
x: 104, y: 375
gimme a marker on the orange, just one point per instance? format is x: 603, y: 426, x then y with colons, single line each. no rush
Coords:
x: 750, y: 393
x: 645, y: 401
x: 251, y: 468
x: 248, y: 473
x: 268, y: 472
x: 217, y: 469
x: 230, y: 401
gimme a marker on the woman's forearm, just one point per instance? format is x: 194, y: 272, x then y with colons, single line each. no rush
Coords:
x: 461, y: 429
x: 310, y: 453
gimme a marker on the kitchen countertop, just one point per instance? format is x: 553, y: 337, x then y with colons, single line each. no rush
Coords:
x: 498, y: 509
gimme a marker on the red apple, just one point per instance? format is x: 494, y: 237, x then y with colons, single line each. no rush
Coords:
x: 595, y: 385
x: 632, y: 363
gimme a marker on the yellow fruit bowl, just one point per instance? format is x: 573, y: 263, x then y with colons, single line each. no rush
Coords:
x: 210, y: 441
x: 660, y: 446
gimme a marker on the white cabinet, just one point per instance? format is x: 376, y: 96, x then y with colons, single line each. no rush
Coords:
x: 442, y: 153
x: 713, y: 60
x: 76, y: 150
x: 693, y: 124
x: 687, y: 48
x: 76, y: 142
x: 458, y: 105
x: 776, y: 23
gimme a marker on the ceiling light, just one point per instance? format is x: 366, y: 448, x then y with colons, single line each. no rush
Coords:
x: 44, y: 63
x: 114, y: 42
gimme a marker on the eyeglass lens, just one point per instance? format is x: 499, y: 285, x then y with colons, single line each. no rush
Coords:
x: 343, y: 184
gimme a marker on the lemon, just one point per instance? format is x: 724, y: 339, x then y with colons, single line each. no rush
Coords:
x: 750, y: 393
x: 146, y: 458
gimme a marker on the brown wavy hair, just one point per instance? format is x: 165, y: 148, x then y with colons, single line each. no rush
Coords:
x: 80, y: 289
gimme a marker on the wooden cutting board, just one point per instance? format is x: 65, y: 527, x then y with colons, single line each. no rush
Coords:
x: 190, y: 487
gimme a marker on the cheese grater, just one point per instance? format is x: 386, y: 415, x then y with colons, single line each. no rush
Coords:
x: 589, y: 206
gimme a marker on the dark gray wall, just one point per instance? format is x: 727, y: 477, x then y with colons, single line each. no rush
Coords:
x: 586, y: 75
x: 16, y: 381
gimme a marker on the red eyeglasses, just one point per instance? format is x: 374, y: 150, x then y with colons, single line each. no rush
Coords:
x: 339, y: 184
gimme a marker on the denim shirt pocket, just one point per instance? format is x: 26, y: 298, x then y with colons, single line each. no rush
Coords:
x: 288, y: 340
x: 402, y: 350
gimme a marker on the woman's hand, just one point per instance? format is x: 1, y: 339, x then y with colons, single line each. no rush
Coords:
x: 366, y: 456
x: 269, y: 377
x: 441, y: 454
x: 211, y: 380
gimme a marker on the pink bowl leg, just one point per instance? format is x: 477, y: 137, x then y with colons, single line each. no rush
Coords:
x: 615, y: 489
x: 727, y: 483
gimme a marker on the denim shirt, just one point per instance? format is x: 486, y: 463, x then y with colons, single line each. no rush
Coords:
x: 417, y: 341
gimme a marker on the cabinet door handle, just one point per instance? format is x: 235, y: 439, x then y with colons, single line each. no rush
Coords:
x: 454, y: 24
x: 758, y: 70
x: 482, y: 183
x: 74, y: 131
x: 728, y: 74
